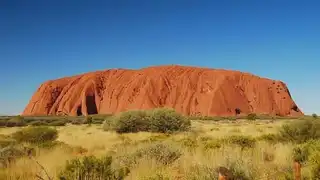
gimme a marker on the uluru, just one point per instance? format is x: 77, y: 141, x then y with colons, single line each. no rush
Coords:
x: 189, y: 90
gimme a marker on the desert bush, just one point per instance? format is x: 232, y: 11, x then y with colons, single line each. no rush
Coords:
x: 161, y: 152
x: 308, y: 153
x: 202, y: 172
x: 161, y: 120
x: 88, y: 120
x: 8, y: 155
x: 98, y: 120
x: 237, y: 171
x: 36, y: 135
x: 188, y: 142
x: 212, y: 144
x: 252, y: 116
x: 58, y: 123
x: 300, y: 131
x: 37, y: 123
x: 314, y: 115
x: 270, y: 138
x: 92, y: 168
x: 16, y: 121
x: 11, y: 153
x: 130, y: 121
x: 156, y: 176
x: 268, y: 156
x: 3, y: 122
x: 6, y: 141
x: 160, y: 137
x: 167, y: 120
x: 240, y: 140
x: 108, y: 124
x: 77, y: 121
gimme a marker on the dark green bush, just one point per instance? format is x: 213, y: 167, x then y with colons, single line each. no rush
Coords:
x: 300, y: 131
x: 130, y: 121
x: 11, y: 153
x: 252, y: 116
x: 6, y: 141
x: 270, y: 138
x: 189, y: 142
x: 16, y: 121
x: 158, y: 120
x: 242, y: 141
x: 88, y: 120
x: 58, y: 123
x: 163, y: 153
x: 3, y: 122
x: 315, y: 116
x: 92, y: 168
x: 36, y: 135
x: 77, y: 122
x: 212, y: 144
x: 37, y: 123
x: 168, y: 120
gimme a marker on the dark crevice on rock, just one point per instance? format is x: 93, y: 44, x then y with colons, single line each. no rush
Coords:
x: 91, y: 104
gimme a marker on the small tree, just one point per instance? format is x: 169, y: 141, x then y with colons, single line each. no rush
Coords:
x: 315, y: 116
x: 16, y: 121
x: 36, y: 135
x: 252, y: 116
x: 89, y: 120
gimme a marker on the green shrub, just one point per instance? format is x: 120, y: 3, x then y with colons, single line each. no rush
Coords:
x: 156, y: 176
x: 16, y: 121
x: 37, y: 123
x: 58, y: 123
x: 6, y: 141
x: 242, y: 141
x: 163, y: 153
x: 212, y: 144
x: 300, y: 131
x: 270, y: 138
x: 315, y: 116
x: 130, y: 121
x: 36, y: 135
x: 77, y: 121
x: 3, y: 122
x: 202, y: 172
x: 167, y: 120
x: 88, y: 120
x: 188, y: 142
x: 10, y: 154
x: 161, y: 120
x: 252, y: 116
x: 91, y: 168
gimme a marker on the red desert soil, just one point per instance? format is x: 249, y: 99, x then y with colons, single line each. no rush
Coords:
x: 189, y: 90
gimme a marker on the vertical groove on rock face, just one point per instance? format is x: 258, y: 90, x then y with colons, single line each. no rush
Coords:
x: 189, y: 90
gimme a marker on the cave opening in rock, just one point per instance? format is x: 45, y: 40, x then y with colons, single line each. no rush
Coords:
x: 79, y: 112
x: 91, y: 104
x: 237, y: 111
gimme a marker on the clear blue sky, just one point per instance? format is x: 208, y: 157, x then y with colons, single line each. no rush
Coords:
x: 42, y: 40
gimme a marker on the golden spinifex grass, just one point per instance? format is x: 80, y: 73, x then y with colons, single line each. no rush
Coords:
x: 195, y: 154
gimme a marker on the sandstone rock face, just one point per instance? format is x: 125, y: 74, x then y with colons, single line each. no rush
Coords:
x: 189, y: 90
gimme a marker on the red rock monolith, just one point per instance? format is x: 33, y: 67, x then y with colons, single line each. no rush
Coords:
x: 189, y: 90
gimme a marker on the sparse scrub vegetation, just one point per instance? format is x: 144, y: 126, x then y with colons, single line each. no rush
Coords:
x: 155, y: 144
x: 252, y: 116
x: 36, y: 135
x: 92, y: 168
x: 300, y: 131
